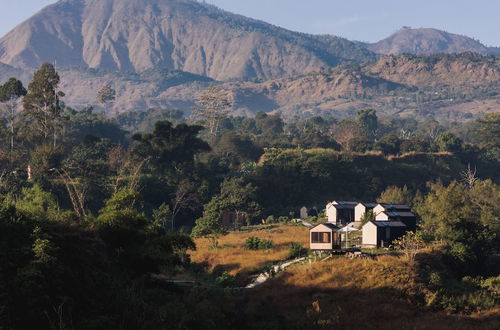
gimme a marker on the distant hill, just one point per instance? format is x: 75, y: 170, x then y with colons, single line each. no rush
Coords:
x: 446, y: 86
x: 428, y: 41
x: 140, y: 35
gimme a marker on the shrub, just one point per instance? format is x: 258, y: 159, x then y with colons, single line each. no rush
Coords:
x: 270, y: 219
x: 225, y: 280
x: 283, y: 219
x: 255, y: 243
x: 296, y: 251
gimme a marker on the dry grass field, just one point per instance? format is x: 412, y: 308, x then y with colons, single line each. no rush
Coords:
x: 360, y: 294
x: 235, y: 259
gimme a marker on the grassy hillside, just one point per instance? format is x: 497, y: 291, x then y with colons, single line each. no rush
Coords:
x: 384, y: 293
x: 232, y: 257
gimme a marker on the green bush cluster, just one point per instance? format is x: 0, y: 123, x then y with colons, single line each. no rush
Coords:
x: 296, y: 251
x: 255, y: 243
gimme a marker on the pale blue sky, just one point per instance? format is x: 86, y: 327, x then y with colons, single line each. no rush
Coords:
x: 365, y: 20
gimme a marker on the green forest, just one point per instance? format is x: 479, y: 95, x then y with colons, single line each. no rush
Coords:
x: 93, y: 207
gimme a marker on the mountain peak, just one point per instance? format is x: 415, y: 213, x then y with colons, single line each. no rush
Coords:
x: 139, y: 35
x: 427, y: 41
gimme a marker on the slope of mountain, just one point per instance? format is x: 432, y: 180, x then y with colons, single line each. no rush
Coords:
x: 7, y: 71
x: 427, y: 41
x: 138, y: 35
x: 446, y: 86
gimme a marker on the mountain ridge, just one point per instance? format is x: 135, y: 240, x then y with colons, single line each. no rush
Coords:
x: 427, y: 41
x: 176, y: 34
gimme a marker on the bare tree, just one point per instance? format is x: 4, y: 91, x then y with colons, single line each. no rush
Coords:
x: 469, y: 177
x: 11, y: 114
x: 184, y: 196
x: 77, y: 192
x: 345, y: 132
x: 214, y: 105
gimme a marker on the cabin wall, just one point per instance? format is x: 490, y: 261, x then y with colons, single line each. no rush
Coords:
x: 370, y: 236
x: 331, y: 213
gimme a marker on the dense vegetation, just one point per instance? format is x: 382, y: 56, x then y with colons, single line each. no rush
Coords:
x: 94, y: 212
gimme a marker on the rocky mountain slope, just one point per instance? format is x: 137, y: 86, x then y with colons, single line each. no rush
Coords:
x: 139, y: 35
x: 428, y: 41
x: 446, y: 86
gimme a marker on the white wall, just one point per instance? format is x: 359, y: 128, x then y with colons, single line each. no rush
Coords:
x: 369, y: 234
x: 331, y: 213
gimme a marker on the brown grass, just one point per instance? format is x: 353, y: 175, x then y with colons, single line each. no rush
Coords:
x: 236, y: 260
x: 361, y: 294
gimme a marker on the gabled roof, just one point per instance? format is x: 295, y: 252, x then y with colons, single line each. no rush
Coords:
x: 394, y: 214
x: 343, y: 204
x: 329, y: 225
x: 399, y: 207
x: 388, y: 223
x: 368, y: 205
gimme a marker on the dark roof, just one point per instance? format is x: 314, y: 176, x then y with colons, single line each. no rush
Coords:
x: 388, y: 223
x: 394, y: 214
x: 369, y: 205
x: 344, y: 204
x: 329, y: 225
x: 395, y: 206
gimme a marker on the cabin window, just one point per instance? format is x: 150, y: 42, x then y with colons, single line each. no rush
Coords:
x: 321, y: 237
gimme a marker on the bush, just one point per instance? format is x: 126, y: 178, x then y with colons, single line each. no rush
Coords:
x: 255, y: 243
x: 225, y: 280
x: 283, y: 219
x: 270, y: 219
x: 296, y: 251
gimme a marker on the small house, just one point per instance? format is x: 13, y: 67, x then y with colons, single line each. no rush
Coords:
x: 341, y: 212
x: 406, y: 217
x: 361, y: 209
x: 325, y: 237
x: 381, y: 207
x: 382, y: 233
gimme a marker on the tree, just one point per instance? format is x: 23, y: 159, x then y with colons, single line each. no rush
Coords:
x: 410, y: 243
x: 42, y: 102
x: 169, y: 145
x: 106, y: 95
x: 214, y: 105
x: 487, y: 131
x: 465, y: 221
x: 236, y: 198
x: 389, y: 144
x: 346, y: 132
x: 448, y: 142
x: 368, y: 121
x: 10, y: 94
x: 367, y: 217
x: 396, y: 195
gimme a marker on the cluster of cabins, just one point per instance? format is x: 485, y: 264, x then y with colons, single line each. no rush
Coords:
x: 386, y: 223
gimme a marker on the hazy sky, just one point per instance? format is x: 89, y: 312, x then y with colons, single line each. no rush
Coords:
x: 365, y: 20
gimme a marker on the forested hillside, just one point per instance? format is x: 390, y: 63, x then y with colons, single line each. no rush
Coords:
x: 96, y: 213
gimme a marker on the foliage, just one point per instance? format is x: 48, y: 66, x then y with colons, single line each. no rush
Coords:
x: 296, y: 250
x: 396, y: 195
x: 465, y: 222
x: 42, y: 102
x: 410, y: 243
x: 367, y: 217
x: 256, y: 243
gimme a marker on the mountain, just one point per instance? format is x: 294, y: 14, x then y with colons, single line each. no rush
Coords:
x: 140, y: 35
x: 449, y: 87
x: 428, y: 41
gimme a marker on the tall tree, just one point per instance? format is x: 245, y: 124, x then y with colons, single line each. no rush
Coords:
x: 368, y: 121
x: 10, y: 94
x: 106, y: 95
x: 213, y: 106
x: 42, y: 102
